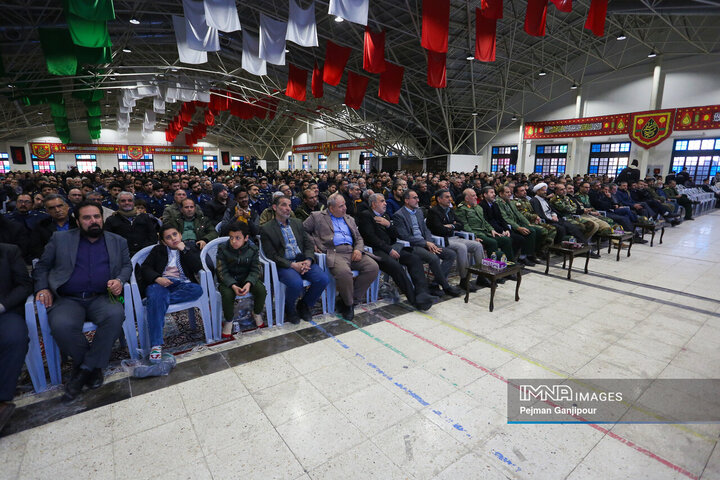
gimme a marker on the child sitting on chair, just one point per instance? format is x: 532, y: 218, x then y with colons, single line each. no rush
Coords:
x: 169, y: 274
x: 237, y: 267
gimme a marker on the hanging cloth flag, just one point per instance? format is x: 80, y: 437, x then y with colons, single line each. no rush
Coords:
x: 97, y: 10
x: 198, y: 34
x: 492, y: 9
x: 272, y: 40
x: 158, y: 105
x: 596, y: 17
x: 485, y: 37
x: 88, y: 33
x: 374, y: 51
x: 355, y: 92
x: 535, y: 17
x: 435, y: 25
x: 297, y: 83
x: 219, y: 101
x: 355, y: 11
x: 222, y: 15
x: 251, y: 61
x: 301, y: 27
x: 436, y: 71
x: 185, y: 53
x: 563, y: 5
x: 57, y: 46
x: 317, y: 82
x: 209, y: 118
x: 391, y: 82
x: 336, y: 58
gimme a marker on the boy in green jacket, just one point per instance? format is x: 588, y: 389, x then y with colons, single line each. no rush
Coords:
x: 237, y: 267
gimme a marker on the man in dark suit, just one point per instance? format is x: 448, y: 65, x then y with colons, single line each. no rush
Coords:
x: 59, y: 220
x: 72, y: 280
x: 379, y: 233
x: 411, y: 227
x: 494, y: 216
x: 15, y: 286
x: 137, y: 228
x: 285, y: 242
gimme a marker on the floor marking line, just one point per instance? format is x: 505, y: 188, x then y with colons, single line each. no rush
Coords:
x: 615, y: 436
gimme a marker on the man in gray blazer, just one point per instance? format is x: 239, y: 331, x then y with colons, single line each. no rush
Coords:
x: 72, y: 280
x: 410, y: 224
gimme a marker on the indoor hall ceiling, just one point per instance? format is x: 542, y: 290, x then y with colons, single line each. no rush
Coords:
x: 426, y: 122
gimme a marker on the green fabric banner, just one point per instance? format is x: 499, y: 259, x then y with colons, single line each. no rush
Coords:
x: 93, y: 56
x: 57, y: 46
x: 93, y: 109
x: 88, y: 92
x: 97, y: 10
x: 58, y: 110
x: 93, y: 123
x: 88, y: 33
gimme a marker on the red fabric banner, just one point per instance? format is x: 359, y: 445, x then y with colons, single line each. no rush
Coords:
x: 391, y: 83
x: 374, y: 51
x: 596, y: 17
x: 317, y: 82
x: 297, y: 83
x: 336, y: 58
x: 563, y: 5
x: 436, y: 71
x: 535, y: 17
x: 492, y: 9
x: 435, y: 25
x: 485, y: 37
x: 218, y: 101
x: 209, y: 118
x: 356, y: 86
x: 651, y: 128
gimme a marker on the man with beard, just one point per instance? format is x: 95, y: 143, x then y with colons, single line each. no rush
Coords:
x: 72, y: 280
x: 59, y: 220
x: 137, y: 228
x: 215, y: 208
x: 240, y: 211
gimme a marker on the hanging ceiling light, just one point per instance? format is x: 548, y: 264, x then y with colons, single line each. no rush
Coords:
x: 514, y: 117
x: 470, y: 57
x: 542, y: 73
x: 135, y: 21
x: 652, y: 54
x: 573, y: 86
x: 127, y: 50
x: 475, y: 114
x: 339, y: 19
x: 621, y: 36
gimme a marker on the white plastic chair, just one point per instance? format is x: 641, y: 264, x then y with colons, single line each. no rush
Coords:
x: 52, y: 351
x: 331, y: 289
x: 33, y: 359
x: 210, y: 252
x: 202, y: 303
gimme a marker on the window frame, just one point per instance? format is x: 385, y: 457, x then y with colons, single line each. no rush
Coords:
x: 131, y: 165
x: 548, y: 158
x: 709, y: 155
x: 496, y: 156
x: 605, y: 151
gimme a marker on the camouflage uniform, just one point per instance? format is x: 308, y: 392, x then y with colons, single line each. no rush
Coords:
x: 569, y: 211
x: 523, y: 206
x: 536, y: 239
x: 604, y: 224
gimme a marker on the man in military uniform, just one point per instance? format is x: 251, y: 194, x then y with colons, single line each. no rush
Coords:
x: 570, y: 212
x: 672, y: 193
x: 535, y: 235
x: 472, y: 216
x: 604, y: 224
x: 522, y: 203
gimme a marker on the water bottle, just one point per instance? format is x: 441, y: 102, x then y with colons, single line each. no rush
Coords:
x: 503, y: 258
x: 493, y: 257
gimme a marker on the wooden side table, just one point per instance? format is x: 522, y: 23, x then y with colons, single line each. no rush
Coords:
x: 494, y: 275
x: 620, y: 237
x: 568, y: 252
x: 652, y: 228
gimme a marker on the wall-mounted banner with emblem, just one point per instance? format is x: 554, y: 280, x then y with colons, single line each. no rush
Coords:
x: 578, y: 127
x: 43, y: 150
x: 697, y: 118
x: 326, y: 148
x: 651, y: 128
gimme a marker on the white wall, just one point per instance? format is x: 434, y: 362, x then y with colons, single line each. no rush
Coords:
x: 464, y: 163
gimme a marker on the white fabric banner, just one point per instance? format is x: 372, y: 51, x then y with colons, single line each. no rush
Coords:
x: 251, y: 61
x: 186, y: 54
x: 272, y: 40
x: 150, y: 118
x: 355, y: 11
x: 123, y: 120
x: 222, y: 15
x: 199, y: 35
x: 301, y: 27
x: 122, y: 109
x: 158, y: 105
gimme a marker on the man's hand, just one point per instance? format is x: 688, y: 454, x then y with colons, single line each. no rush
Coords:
x: 163, y: 282
x: 523, y: 231
x: 433, y: 248
x: 554, y: 217
x: 496, y: 234
x: 506, y: 233
x: 479, y: 240
x: 382, y: 221
x: 637, y: 206
x: 306, y: 264
x: 114, y: 286
x: 45, y: 297
x: 317, y: 250
x: 394, y: 254
x: 298, y: 267
x: 201, y: 244
x: 538, y: 221
x: 356, y: 256
x: 450, y: 226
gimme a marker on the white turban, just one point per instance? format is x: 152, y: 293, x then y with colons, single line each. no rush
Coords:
x: 539, y: 186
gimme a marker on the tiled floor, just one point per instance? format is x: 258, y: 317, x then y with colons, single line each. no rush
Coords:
x: 400, y: 394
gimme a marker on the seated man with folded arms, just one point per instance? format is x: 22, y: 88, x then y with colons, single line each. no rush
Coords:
x: 285, y: 242
x: 75, y: 273
x: 442, y: 222
x: 336, y: 235
x: 410, y: 224
x: 237, y: 266
x: 15, y: 286
x: 139, y: 229
x: 197, y: 229
x: 379, y: 233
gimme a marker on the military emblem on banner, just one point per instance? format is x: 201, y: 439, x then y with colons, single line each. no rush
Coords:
x: 135, y: 152
x: 651, y: 128
x: 41, y: 150
x: 326, y: 148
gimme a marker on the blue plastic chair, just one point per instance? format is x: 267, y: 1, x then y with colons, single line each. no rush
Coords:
x: 331, y: 289
x: 33, y: 359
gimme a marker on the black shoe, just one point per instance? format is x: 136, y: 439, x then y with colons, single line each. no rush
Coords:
x: 6, y: 411
x: 594, y: 255
x: 292, y: 317
x: 423, y: 301
x: 689, y: 219
x: 465, y: 285
x: 527, y: 262
x: 304, y: 311
x: 453, y: 291
x: 533, y: 259
x: 435, y: 291
x: 74, y: 386
x: 96, y: 379
x: 347, y: 312
x: 501, y: 281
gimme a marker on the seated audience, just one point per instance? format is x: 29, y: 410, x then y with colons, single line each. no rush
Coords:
x: 493, y: 215
x: 196, y: 229
x: 59, y: 220
x: 240, y: 211
x: 534, y: 236
x: 139, y: 229
x: 672, y: 193
x: 473, y: 218
x: 215, y: 208
x: 23, y: 213
x: 309, y: 205
x: 546, y: 213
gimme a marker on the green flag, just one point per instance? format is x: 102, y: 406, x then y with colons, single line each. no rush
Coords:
x: 88, y: 33
x: 58, y: 48
x: 97, y: 10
